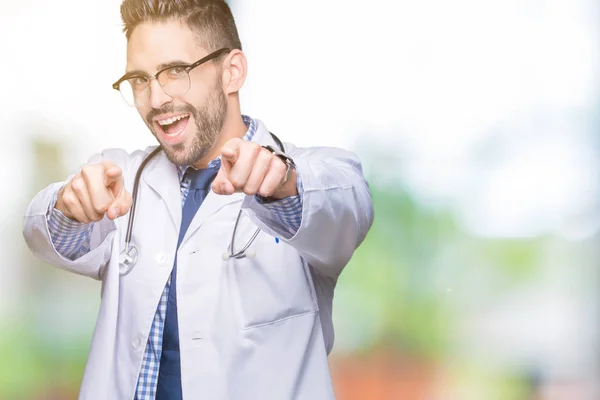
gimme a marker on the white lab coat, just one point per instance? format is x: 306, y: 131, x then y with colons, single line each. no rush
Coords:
x: 254, y: 328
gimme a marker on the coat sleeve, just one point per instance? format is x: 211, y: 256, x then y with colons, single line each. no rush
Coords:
x: 37, y: 234
x: 337, y: 210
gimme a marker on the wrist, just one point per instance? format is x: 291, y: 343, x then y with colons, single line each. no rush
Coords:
x: 288, y: 189
x: 60, y: 205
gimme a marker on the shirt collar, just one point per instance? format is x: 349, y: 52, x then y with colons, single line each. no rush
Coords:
x: 215, y: 163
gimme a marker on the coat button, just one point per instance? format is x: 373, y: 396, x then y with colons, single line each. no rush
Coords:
x: 137, y: 342
x: 161, y: 259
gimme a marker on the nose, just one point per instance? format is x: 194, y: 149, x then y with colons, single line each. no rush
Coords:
x: 158, y: 97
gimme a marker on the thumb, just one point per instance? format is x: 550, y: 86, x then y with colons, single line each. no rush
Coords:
x: 221, y: 184
x: 121, y: 205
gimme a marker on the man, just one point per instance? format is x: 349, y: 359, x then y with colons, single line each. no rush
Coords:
x: 212, y: 307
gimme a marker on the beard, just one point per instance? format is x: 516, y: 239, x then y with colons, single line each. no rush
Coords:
x: 209, y: 119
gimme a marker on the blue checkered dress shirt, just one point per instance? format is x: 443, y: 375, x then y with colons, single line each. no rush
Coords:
x: 72, y: 240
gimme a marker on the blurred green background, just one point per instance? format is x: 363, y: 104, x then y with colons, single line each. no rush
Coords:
x: 477, y: 123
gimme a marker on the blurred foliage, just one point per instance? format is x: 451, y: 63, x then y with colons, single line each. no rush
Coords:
x: 409, y: 268
x: 31, y: 367
x: 39, y: 359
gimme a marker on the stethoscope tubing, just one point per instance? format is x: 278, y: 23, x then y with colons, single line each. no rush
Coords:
x: 136, y: 186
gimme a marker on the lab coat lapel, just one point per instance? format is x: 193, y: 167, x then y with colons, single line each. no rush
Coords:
x: 211, y: 204
x: 163, y: 178
x: 214, y: 202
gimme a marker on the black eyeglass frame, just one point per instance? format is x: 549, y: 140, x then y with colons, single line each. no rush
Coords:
x: 186, y: 67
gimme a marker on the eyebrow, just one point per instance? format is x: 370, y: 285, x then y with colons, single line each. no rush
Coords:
x: 170, y: 64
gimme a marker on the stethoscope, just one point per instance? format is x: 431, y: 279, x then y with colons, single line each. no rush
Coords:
x: 130, y: 254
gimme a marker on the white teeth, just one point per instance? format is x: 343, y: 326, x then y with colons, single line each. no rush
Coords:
x: 169, y: 121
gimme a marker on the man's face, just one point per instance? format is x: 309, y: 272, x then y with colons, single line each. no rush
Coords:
x: 187, y: 125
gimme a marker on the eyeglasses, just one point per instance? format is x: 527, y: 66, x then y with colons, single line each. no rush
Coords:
x: 174, y: 80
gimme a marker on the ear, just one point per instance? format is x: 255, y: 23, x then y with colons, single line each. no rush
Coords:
x: 234, y: 71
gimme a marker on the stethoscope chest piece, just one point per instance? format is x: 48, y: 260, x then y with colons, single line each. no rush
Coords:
x: 127, y: 259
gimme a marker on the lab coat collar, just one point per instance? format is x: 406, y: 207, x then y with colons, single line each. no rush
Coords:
x: 162, y: 176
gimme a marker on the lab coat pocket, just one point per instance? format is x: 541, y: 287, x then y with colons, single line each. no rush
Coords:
x: 272, y: 284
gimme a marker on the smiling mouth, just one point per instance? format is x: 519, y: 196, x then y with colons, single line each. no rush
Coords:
x: 173, y: 126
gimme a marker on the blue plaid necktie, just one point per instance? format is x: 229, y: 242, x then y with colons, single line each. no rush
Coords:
x: 169, y: 373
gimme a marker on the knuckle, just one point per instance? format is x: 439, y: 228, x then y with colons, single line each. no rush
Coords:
x: 92, y: 171
x: 250, y: 188
x: 253, y: 183
x: 255, y: 147
x: 279, y: 165
x: 265, y: 155
x: 107, y: 164
x: 236, y: 182
x: 69, y: 199
x: 123, y: 206
x: 128, y: 199
x: 86, y: 171
x: 100, y: 207
x: 78, y: 185
x: 265, y: 192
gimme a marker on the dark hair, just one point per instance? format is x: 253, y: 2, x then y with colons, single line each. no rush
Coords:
x: 211, y: 20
